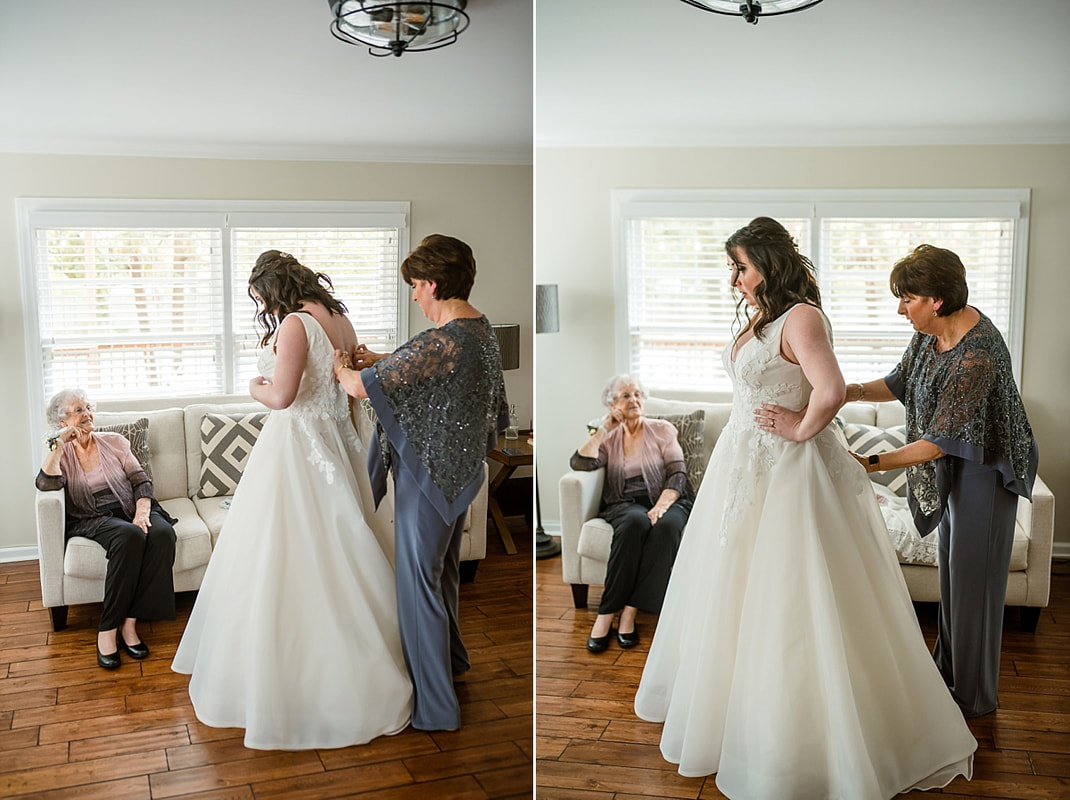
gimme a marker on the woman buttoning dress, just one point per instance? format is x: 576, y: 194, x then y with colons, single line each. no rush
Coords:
x: 294, y: 634
x: 788, y: 658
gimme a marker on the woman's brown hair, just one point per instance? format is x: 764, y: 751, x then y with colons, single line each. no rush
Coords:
x: 446, y: 261
x: 787, y: 275
x: 284, y: 283
x: 931, y: 272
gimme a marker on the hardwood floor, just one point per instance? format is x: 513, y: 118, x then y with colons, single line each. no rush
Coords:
x: 69, y: 729
x: 591, y: 746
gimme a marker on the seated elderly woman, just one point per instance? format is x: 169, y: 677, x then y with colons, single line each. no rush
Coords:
x: 645, y: 498
x: 109, y: 500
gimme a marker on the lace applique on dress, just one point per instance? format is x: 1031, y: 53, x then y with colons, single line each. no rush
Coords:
x: 760, y: 374
x: 319, y: 397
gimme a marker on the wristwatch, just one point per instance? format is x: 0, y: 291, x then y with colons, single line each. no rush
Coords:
x: 875, y: 462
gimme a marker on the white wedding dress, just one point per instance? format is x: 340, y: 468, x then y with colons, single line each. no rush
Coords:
x: 787, y: 657
x: 294, y: 634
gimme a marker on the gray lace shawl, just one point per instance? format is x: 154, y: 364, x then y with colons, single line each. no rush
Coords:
x: 966, y: 402
x: 440, y: 401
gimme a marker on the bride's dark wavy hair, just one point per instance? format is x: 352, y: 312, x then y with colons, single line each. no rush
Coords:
x: 787, y: 275
x: 284, y: 283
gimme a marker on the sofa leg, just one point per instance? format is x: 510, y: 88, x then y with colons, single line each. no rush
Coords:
x: 1030, y: 618
x: 468, y: 571
x: 579, y: 595
x: 59, y: 617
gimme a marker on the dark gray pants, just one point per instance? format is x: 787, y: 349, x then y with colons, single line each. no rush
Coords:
x: 139, y: 582
x: 641, y: 556
x: 427, y: 555
x: 976, y: 534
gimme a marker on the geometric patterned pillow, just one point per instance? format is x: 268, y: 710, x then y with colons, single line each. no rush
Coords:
x: 868, y: 440
x: 689, y: 435
x: 137, y: 433
x: 226, y: 442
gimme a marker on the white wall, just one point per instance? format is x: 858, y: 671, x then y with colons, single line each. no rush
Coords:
x: 574, y: 250
x: 490, y: 207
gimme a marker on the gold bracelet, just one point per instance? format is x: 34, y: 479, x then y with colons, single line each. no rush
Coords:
x: 861, y: 392
x: 339, y: 368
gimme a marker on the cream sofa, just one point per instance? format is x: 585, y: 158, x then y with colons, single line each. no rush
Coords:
x: 585, y: 539
x: 73, y: 572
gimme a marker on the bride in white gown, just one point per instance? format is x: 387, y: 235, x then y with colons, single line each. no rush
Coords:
x: 787, y: 657
x: 294, y: 634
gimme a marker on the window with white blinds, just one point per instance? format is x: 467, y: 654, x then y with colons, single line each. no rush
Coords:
x: 133, y: 300
x: 676, y: 312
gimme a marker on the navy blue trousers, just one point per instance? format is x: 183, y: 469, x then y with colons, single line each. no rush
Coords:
x: 427, y: 553
x: 976, y: 533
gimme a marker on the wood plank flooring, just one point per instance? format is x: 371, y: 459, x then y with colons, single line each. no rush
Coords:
x: 591, y: 746
x: 69, y: 729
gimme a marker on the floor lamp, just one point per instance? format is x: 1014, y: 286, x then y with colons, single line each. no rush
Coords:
x: 546, y: 321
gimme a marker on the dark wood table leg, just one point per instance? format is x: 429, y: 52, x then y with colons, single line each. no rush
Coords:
x: 496, y: 510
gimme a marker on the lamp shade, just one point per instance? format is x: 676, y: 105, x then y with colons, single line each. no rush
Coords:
x: 546, y: 318
x: 508, y: 336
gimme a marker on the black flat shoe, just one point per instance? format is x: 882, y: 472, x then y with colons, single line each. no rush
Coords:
x: 108, y: 661
x: 627, y: 640
x: 599, y: 644
x: 139, y: 650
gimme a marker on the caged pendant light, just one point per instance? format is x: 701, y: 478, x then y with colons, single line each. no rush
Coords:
x: 392, y: 28
x: 751, y: 10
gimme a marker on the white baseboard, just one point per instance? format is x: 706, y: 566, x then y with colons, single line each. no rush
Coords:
x: 18, y: 554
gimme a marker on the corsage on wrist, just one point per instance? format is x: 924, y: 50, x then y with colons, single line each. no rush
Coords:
x: 52, y: 440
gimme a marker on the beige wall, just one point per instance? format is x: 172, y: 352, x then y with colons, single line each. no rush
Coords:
x: 574, y: 250
x: 490, y: 207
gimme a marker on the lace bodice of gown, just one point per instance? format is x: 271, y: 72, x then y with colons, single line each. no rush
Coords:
x: 760, y: 374
x: 319, y: 396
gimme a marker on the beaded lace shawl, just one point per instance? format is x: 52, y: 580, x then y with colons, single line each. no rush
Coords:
x: 965, y: 401
x: 440, y: 401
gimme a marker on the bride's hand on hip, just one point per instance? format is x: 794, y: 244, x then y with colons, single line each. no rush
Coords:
x: 779, y: 420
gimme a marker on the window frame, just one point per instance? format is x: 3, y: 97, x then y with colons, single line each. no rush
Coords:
x: 35, y: 212
x: 637, y: 204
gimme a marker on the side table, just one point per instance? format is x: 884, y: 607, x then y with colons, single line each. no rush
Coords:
x: 511, y: 454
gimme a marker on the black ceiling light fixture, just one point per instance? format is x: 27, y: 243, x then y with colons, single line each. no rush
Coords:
x: 751, y: 10
x: 392, y: 28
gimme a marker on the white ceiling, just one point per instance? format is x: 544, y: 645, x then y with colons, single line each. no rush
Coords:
x: 866, y: 72
x: 257, y: 79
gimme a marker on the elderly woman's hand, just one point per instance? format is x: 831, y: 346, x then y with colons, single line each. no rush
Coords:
x: 614, y: 418
x: 657, y: 512
x: 141, y: 519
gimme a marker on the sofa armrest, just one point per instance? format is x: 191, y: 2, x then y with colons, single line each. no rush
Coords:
x: 50, y: 510
x: 477, y: 525
x: 1038, y: 519
x: 580, y: 495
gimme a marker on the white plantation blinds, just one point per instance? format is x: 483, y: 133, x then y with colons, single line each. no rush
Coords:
x: 676, y: 312
x: 148, y: 299
x: 681, y: 308
x: 855, y: 259
x: 361, y: 263
x: 136, y: 310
